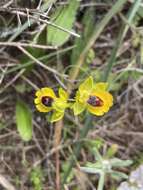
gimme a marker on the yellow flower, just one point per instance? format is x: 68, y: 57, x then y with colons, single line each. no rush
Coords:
x: 44, y: 99
x: 47, y: 101
x: 93, y: 97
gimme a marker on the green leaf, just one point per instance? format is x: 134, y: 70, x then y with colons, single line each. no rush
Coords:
x: 63, y: 17
x: 118, y: 175
x: 116, y: 162
x: 64, y: 168
x: 24, y: 121
x: 97, y: 143
x: 97, y: 165
x: 91, y: 170
x: 36, y: 177
x: 140, y: 11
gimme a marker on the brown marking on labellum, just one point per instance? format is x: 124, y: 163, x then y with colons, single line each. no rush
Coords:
x: 47, y: 101
x: 95, y: 101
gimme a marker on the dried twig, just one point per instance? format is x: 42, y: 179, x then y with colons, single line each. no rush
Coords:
x: 39, y: 62
x: 5, y: 183
x: 16, y: 44
x: 45, y: 21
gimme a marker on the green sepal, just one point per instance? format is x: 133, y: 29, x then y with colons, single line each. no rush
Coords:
x: 63, y: 94
x: 87, y: 85
x: 56, y: 116
x: 78, y: 108
x: 60, y: 105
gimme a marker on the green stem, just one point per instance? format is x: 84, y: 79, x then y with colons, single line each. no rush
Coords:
x: 101, y: 181
x: 76, y: 151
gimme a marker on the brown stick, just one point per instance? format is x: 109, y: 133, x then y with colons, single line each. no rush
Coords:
x: 57, y: 139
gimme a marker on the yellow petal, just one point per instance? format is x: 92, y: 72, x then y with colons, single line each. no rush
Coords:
x: 37, y: 100
x: 109, y: 99
x: 38, y: 93
x: 95, y: 110
x: 48, y: 92
x: 41, y: 108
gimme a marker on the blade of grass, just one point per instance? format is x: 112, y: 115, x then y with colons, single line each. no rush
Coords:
x: 124, y: 28
x: 131, y: 15
x: 97, y: 31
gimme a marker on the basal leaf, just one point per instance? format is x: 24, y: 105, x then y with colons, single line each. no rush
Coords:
x: 24, y: 121
x: 63, y: 17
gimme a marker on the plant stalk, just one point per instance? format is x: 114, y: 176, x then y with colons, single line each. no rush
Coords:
x: 101, y: 181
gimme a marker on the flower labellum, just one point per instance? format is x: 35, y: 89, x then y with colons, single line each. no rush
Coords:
x: 94, y: 101
x: 47, y: 101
